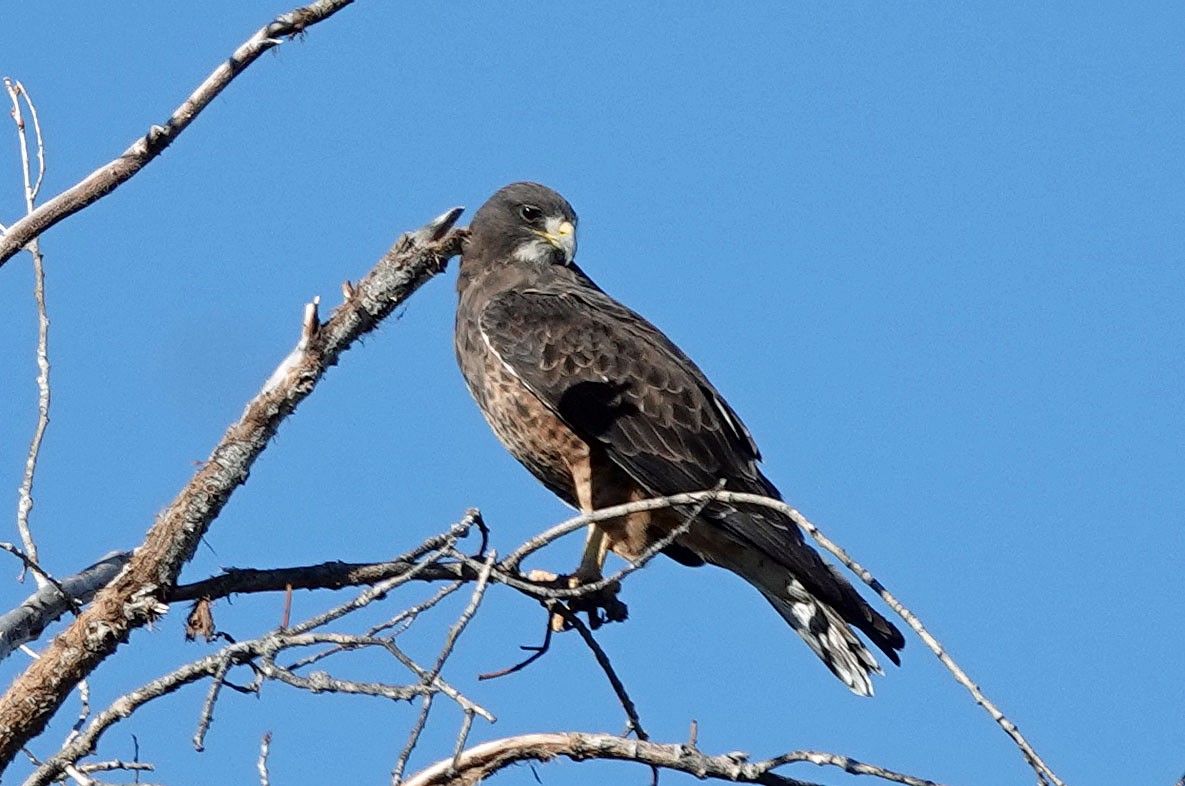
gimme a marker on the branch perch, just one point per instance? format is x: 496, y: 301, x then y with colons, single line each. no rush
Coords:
x: 480, y: 761
x: 507, y: 572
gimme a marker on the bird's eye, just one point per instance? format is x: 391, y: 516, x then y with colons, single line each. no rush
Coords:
x: 530, y: 212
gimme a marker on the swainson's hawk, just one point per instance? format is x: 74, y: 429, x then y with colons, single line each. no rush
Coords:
x: 603, y: 408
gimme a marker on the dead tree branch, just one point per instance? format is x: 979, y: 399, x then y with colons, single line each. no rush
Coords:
x: 507, y: 572
x: 265, y: 746
x: 111, y: 175
x: 633, y: 720
x: 1030, y: 754
x: 326, y: 575
x: 438, y: 560
x: 19, y: 95
x: 26, y: 622
x: 483, y: 760
x: 259, y: 655
x: 137, y: 595
x: 512, y: 561
x: 446, y: 650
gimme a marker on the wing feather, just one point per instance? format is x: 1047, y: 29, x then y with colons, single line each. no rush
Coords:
x: 616, y: 380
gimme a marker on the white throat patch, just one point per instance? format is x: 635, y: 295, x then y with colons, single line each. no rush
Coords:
x: 536, y: 251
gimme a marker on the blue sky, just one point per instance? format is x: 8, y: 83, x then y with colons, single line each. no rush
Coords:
x: 933, y: 256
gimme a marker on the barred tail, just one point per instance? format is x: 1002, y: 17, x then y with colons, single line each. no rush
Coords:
x: 828, y: 635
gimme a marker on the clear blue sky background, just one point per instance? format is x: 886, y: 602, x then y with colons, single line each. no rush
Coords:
x: 933, y: 256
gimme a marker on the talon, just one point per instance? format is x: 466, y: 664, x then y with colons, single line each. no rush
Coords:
x: 601, y: 606
x: 584, y: 575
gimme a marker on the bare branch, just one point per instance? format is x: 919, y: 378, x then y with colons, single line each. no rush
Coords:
x: 424, y: 564
x: 1030, y: 754
x: 634, y: 722
x: 699, y: 500
x: 265, y: 746
x: 413, y: 738
x: 483, y: 760
x: 462, y: 737
x: 84, y: 743
x: 401, y: 620
x: 116, y: 764
x: 336, y: 575
x: 136, y: 596
x: 108, y: 177
x: 479, y: 591
x: 207, y: 714
x: 326, y: 575
x: 26, y: 622
x: 450, y: 641
x: 261, y: 653
x: 84, y: 709
x: 30, y: 564
x: 383, y: 587
x: 536, y: 654
x: 17, y: 92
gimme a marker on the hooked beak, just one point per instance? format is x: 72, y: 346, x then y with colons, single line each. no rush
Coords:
x: 561, y: 234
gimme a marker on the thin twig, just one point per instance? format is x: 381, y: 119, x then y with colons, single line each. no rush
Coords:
x: 698, y: 500
x: 429, y: 551
x: 845, y: 763
x: 366, y: 596
x: 1027, y: 751
x: 206, y: 717
x: 462, y: 736
x: 17, y: 92
x: 325, y: 575
x: 536, y: 654
x: 114, y: 173
x: 265, y: 745
x: 84, y: 710
x: 631, y: 711
x: 402, y: 619
x: 1031, y: 756
x: 261, y: 654
x: 30, y: 563
x: 426, y: 677
x: 446, y: 649
x: 116, y: 764
x: 413, y: 738
x: 454, y: 633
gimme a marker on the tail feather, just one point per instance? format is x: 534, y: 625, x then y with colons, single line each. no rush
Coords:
x: 828, y: 636
x: 810, y: 594
x: 879, y: 630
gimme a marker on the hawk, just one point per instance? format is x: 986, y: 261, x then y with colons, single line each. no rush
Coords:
x: 604, y: 409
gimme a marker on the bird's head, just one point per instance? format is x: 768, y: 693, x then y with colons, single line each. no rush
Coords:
x: 526, y: 222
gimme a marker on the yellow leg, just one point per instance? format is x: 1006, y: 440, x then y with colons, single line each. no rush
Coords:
x: 596, y: 546
x: 592, y: 560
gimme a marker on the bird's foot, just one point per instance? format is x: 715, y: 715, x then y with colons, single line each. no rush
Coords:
x: 601, y: 605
